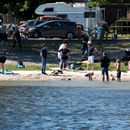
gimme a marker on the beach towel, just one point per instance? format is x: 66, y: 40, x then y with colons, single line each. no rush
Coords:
x: 6, y: 71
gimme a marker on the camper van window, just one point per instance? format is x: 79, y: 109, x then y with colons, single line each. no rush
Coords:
x: 48, y: 10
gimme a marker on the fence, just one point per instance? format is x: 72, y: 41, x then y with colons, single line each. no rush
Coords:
x: 8, y: 18
x: 121, y: 27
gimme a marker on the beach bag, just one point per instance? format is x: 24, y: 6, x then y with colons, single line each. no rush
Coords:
x: 20, y: 64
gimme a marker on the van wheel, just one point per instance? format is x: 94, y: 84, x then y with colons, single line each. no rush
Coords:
x: 69, y: 36
x: 36, y: 34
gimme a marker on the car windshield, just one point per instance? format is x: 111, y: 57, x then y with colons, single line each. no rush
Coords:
x: 32, y: 23
x: 28, y: 24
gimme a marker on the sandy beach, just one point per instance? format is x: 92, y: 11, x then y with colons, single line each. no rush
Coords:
x: 67, y: 75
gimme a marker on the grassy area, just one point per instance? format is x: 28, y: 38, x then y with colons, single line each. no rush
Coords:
x: 83, y: 66
x: 112, y: 67
x: 29, y: 67
x: 35, y: 46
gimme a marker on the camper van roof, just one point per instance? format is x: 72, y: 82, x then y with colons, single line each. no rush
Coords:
x: 59, y: 7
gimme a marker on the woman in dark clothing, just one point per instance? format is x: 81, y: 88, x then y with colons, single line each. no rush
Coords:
x: 2, y: 62
x: 64, y: 56
x: 16, y: 38
x: 105, y: 62
x: 43, y: 54
x: 84, y: 40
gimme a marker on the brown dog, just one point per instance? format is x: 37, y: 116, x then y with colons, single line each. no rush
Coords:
x: 90, y: 75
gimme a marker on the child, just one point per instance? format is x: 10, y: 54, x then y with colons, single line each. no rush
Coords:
x: 90, y: 75
x: 112, y: 77
x: 118, y: 69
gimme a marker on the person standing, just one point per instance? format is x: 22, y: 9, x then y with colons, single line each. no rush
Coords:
x: 1, y: 37
x: 105, y: 62
x: 2, y: 61
x: 16, y: 38
x: 118, y: 69
x: 61, y: 47
x: 64, y: 56
x: 91, y: 52
x: 84, y: 40
x: 43, y: 54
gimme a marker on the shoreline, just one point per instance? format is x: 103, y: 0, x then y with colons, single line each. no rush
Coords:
x: 67, y: 75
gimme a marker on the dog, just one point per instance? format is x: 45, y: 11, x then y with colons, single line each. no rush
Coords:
x: 90, y: 75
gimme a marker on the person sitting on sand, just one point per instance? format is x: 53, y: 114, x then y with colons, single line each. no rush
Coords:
x: 90, y: 75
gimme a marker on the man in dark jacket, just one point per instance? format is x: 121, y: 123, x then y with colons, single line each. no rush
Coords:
x: 43, y: 54
x: 105, y: 62
x: 16, y: 38
x: 2, y: 62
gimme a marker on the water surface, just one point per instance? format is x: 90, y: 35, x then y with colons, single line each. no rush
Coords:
x: 65, y: 105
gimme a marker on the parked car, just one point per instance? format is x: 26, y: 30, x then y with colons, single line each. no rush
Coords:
x: 24, y: 28
x: 30, y: 23
x: 55, y: 28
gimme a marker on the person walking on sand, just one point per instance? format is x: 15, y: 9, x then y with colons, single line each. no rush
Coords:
x: 118, y: 69
x: 105, y: 62
x: 64, y: 56
x: 43, y: 54
x: 91, y: 52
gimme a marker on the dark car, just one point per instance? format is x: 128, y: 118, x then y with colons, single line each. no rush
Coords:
x: 24, y: 28
x: 55, y: 28
x: 30, y: 24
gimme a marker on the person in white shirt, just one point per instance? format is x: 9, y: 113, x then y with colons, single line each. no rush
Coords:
x: 61, y: 47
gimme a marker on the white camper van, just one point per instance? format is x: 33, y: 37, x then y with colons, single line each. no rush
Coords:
x: 77, y: 12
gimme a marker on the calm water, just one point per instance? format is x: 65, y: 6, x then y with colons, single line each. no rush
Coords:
x: 82, y: 107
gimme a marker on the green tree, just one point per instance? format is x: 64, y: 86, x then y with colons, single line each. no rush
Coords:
x: 24, y: 8
x: 103, y: 2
